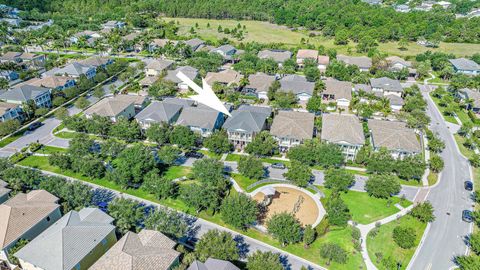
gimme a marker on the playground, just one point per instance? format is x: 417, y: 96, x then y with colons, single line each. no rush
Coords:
x: 281, y: 198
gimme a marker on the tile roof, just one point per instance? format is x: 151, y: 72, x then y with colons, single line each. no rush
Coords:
x: 338, y: 128
x: 386, y: 84
x: 64, y: 244
x: 260, y: 82
x: 464, y: 64
x: 161, y: 42
x: 296, y: 84
x: 50, y: 81
x: 323, y: 59
x: 291, y: 124
x: 189, y: 71
x: 95, y: 61
x: 228, y: 76
x: 279, y: 56
x: 147, y: 250
x: 149, y: 80
x: 4, y: 107
x: 109, y: 107
x: 200, y: 116
x: 73, y: 69
x: 248, y: 118
x: 158, y: 112
x: 359, y: 61
x: 339, y: 89
x: 305, y: 53
x: 159, y: 64
x: 137, y: 100
x: 393, y: 135
x: 23, y: 211
x: 212, y: 264
x: 10, y: 56
x: 24, y: 92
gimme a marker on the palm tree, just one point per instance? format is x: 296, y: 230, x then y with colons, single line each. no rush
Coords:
x: 384, y: 104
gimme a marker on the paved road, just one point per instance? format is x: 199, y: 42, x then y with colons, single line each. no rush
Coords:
x: 445, y: 239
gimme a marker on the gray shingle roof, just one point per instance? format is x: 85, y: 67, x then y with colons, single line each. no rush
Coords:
x: 386, y: 84
x: 158, y: 112
x: 109, y: 107
x: 359, y: 61
x: 339, y: 89
x: 159, y: 64
x: 24, y: 92
x: 296, y: 84
x: 248, y: 118
x: 201, y: 116
x: 393, y: 135
x: 472, y: 94
x: 338, y: 128
x: 260, y: 82
x: 64, y: 244
x: 147, y: 250
x: 212, y: 264
x: 189, y: 71
x: 74, y: 69
x: 278, y: 55
x: 194, y: 43
x: 464, y: 64
x: 395, y: 100
x: 184, y: 102
x: 291, y: 124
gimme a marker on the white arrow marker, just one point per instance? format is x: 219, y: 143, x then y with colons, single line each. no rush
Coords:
x: 206, y: 96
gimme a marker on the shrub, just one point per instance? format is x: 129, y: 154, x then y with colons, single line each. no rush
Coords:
x: 423, y: 212
x: 285, y: 227
x: 404, y: 236
x: 333, y: 252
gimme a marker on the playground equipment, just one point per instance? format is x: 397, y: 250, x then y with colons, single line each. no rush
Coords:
x: 297, y: 204
x: 268, y: 193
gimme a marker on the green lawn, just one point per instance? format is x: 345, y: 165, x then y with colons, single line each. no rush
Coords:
x: 236, y: 157
x: 265, y: 32
x: 342, y: 236
x: 384, y: 243
x: 66, y: 135
x: 51, y: 149
x: 9, y: 140
x: 242, y: 181
x: 447, y: 118
x: 432, y: 178
x: 465, y: 151
x: 211, y: 154
x: 366, y: 209
x: 175, y: 172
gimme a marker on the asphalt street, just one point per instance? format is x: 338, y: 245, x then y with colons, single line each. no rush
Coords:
x: 445, y: 239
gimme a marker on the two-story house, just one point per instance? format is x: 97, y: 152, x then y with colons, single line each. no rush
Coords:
x: 9, y: 75
x: 291, y: 128
x: 23, y: 93
x: 189, y: 71
x: 298, y: 85
x: 258, y: 85
x: 97, y: 62
x: 386, y: 86
x: 339, y: 92
x: 159, y: 112
x: 74, y: 70
x: 157, y: 66
x: 53, y: 82
x: 112, y: 108
x: 344, y: 130
x: 246, y: 122
x: 10, y: 111
x: 201, y: 119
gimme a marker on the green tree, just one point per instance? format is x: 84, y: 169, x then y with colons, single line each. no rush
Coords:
x: 239, y: 211
x: 9, y: 126
x: 474, y: 241
x: 436, y: 163
x: 168, y: 154
x: 468, y: 262
x: 333, y: 252
x: 132, y: 164
x: 157, y: 185
x: 341, y: 37
x: 262, y: 145
x: 209, y: 171
x: 216, y: 244
x: 404, y: 237
x: 126, y: 213
x: 58, y: 101
x: 98, y: 92
x: 124, y: 129
x: 382, y: 186
x: 299, y: 173
x: 423, y: 212
x: 284, y: 100
x: 168, y: 222
x: 61, y: 113
x: 251, y: 167
x: 183, y: 137
x: 158, y: 133
x: 338, y: 179
x: 285, y: 228
x: 82, y: 103
x: 337, y: 211
x: 309, y: 235
x: 218, y: 142
x: 11, y: 251
x: 264, y: 260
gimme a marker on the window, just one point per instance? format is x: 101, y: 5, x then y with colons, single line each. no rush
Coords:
x: 104, y: 241
x: 77, y: 267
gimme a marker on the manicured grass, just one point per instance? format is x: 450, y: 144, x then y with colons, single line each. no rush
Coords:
x: 242, y: 181
x: 463, y: 116
x: 210, y: 154
x: 175, y: 172
x: 432, y: 178
x: 366, y: 209
x: 412, y: 182
x: 465, y: 151
x: 383, y: 241
x: 341, y: 236
x: 264, y: 32
x: 447, y: 118
x: 9, y: 140
x: 236, y: 157
x: 51, y: 149
x: 66, y: 135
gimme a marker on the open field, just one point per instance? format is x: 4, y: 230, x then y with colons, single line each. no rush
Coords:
x: 265, y: 32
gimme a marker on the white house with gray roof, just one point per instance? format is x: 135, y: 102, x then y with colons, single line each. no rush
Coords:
x: 156, y: 66
x: 344, y: 130
x: 189, y: 71
x: 291, y: 128
x: 74, y: 70
x: 201, y: 119
x: 75, y: 241
x: 246, y: 122
x: 195, y: 43
x: 395, y: 136
x: 228, y: 52
x: 23, y: 93
x: 465, y: 66
x: 339, y: 92
x: 147, y: 250
x: 158, y: 112
x: 298, y: 85
x: 278, y: 56
x: 258, y: 85
x: 386, y: 86
x: 212, y: 264
x: 362, y: 62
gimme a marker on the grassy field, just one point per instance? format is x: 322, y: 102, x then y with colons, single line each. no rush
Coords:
x: 341, y: 236
x: 366, y: 209
x: 264, y: 32
x: 447, y: 118
x: 175, y: 172
x: 9, y: 140
x: 432, y: 178
x: 236, y: 157
x: 242, y: 181
x: 51, y: 149
x: 383, y: 241
x: 210, y: 154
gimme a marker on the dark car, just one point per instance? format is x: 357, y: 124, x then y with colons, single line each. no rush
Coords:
x: 278, y: 166
x: 468, y: 185
x: 193, y: 154
x: 34, y: 126
x: 113, y: 79
x: 467, y: 216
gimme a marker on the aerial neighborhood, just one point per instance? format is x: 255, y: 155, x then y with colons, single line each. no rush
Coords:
x: 340, y: 148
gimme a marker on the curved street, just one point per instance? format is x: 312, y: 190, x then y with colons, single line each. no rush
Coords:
x: 445, y: 238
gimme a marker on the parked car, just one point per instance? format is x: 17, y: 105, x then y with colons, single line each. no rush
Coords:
x: 34, y: 126
x: 467, y: 216
x: 113, y: 79
x: 193, y: 154
x: 278, y: 166
x: 468, y: 185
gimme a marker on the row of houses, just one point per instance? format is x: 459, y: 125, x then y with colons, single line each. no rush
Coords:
x: 79, y: 240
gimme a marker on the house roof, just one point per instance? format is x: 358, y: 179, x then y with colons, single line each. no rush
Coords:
x: 359, y: 61
x: 158, y: 112
x: 4, y: 107
x: 109, y: 107
x: 224, y: 48
x: 95, y: 61
x: 73, y: 69
x: 189, y: 71
x: 228, y: 76
x: 291, y: 124
x: 323, y: 59
x: 305, y: 53
x: 386, y: 84
x: 363, y: 87
x: 50, y: 81
x: 64, y: 244
x: 200, y: 116
x: 137, y: 100
x: 180, y: 101
x: 393, y: 135
x: 339, y: 89
x: 131, y: 36
x: 147, y: 250
x: 212, y: 264
x: 395, y: 100
x: 296, y: 84
x: 159, y: 64
x: 472, y: 94
x: 338, y: 128
x: 10, y: 56
x: 194, y: 43
x: 278, y: 55
x: 161, y: 42
x: 248, y: 118
x: 464, y: 64
x: 148, y: 80
x: 23, y: 211
x: 260, y: 82
x: 392, y: 60
x: 24, y: 92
